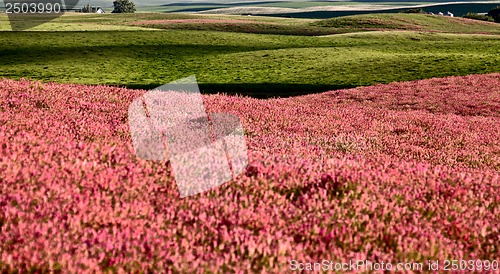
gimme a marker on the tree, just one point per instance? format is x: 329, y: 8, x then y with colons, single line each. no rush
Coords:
x: 123, y: 6
x: 475, y: 16
x: 419, y: 10
x: 495, y: 13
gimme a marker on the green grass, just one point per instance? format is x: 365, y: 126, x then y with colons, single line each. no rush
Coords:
x: 402, y: 21
x: 259, y: 65
x: 89, y: 22
x: 395, y: 21
x: 456, y: 7
x: 258, y: 28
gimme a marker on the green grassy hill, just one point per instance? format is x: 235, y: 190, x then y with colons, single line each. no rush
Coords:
x: 417, y: 22
x: 117, y: 51
x: 355, y: 23
x: 322, y: 10
x: 264, y: 25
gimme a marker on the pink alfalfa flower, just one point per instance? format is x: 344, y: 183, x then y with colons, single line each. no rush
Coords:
x: 363, y: 173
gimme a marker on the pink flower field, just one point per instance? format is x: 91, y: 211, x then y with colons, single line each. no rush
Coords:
x: 404, y: 172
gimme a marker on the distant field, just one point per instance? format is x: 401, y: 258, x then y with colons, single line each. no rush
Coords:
x: 456, y: 9
x: 319, y: 9
x: 126, y: 50
x: 360, y: 23
x: 299, y: 9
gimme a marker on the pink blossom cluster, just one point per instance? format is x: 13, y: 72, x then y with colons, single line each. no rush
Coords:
x: 404, y: 172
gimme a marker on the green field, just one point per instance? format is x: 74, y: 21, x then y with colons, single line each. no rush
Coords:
x: 248, y: 57
x: 313, y: 9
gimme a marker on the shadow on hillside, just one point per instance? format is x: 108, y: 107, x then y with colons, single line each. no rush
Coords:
x: 261, y: 91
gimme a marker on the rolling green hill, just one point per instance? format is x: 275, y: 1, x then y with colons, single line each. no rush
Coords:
x: 318, y: 10
x: 118, y: 51
x: 417, y: 22
x: 270, y: 25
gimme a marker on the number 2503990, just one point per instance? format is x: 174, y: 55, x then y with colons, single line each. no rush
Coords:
x: 32, y: 8
x: 473, y: 265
